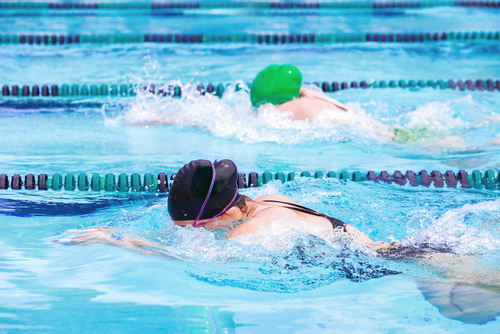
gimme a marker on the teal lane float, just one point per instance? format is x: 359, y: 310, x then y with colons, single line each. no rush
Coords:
x: 159, y: 183
x: 169, y: 6
x: 268, y: 39
x: 124, y: 90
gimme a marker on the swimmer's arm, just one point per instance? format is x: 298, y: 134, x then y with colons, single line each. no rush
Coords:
x: 101, y: 235
x: 357, y: 235
x: 159, y: 120
x: 311, y: 93
x: 377, y: 246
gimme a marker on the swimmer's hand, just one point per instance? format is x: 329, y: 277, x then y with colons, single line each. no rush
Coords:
x: 105, y: 236
x: 91, y: 236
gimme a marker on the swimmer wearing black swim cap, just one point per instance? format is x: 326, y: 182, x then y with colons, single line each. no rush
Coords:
x: 202, y: 190
x: 206, y: 194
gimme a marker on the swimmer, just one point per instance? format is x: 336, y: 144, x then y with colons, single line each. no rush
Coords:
x: 205, y: 195
x: 282, y: 87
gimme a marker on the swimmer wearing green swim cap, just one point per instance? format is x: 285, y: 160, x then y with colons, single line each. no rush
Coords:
x: 281, y: 85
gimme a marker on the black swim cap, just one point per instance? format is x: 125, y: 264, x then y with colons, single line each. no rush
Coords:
x: 191, y: 185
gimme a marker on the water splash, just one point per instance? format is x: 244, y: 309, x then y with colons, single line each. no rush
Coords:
x: 232, y: 116
x: 434, y: 125
x: 471, y: 230
x: 291, y: 256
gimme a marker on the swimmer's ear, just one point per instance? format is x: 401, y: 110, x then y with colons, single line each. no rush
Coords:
x: 469, y: 303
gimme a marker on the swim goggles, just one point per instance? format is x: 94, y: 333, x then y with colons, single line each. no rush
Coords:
x: 208, y: 196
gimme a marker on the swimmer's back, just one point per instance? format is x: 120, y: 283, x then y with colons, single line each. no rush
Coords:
x: 310, y: 104
x: 269, y: 212
x: 277, y: 207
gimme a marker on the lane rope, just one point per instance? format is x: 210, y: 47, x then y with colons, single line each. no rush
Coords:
x: 172, y: 6
x: 267, y: 39
x: 124, y: 90
x: 159, y: 183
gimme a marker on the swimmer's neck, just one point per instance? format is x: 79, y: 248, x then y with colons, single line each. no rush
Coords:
x: 236, y: 214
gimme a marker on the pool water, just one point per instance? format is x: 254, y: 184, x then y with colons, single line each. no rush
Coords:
x: 291, y: 281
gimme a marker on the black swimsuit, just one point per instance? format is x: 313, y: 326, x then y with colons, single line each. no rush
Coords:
x: 395, y: 252
x: 335, y: 222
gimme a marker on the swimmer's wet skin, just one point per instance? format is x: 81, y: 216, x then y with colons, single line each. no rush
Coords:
x: 205, y: 194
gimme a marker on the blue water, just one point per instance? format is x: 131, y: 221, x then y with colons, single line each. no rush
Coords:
x: 292, y: 281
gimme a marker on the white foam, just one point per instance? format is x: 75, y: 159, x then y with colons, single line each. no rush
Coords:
x: 435, y: 116
x: 233, y: 117
x: 282, y: 234
x: 452, y: 230
x: 435, y: 125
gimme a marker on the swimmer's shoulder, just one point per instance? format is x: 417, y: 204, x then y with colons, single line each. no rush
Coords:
x: 310, y: 95
x: 273, y: 197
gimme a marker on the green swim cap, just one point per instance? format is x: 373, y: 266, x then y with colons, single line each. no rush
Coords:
x: 276, y: 84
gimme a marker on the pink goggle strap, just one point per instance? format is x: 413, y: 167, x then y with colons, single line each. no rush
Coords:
x: 206, y: 200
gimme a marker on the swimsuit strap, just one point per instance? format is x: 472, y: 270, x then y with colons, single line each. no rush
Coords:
x: 297, y: 206
x: 335, y: 222
x: 330, y: 100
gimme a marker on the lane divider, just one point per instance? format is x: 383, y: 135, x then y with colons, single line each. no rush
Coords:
x: 268, y: 39
x: 103, y: 90
x: 123, y: 90
x: 480, y: 85
x: 162, y: 6
x: 160, y: 182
